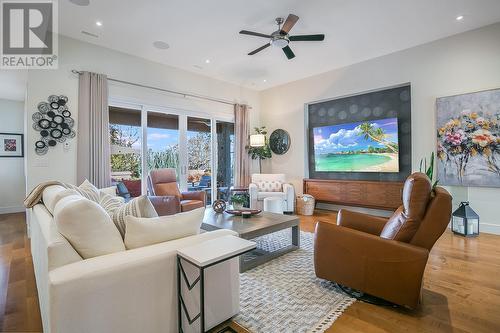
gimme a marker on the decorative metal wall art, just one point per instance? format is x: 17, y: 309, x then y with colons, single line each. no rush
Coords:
x: 279, y: 141
x: 53, y: 121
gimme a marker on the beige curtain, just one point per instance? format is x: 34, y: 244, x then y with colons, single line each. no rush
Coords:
x: 241, y: 134
x: 93, y: 130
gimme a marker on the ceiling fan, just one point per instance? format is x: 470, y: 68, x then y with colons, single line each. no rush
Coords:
x: 281, y: 38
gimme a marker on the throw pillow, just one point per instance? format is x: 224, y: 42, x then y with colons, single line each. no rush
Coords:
x: 87, y: 227
x: 117, y: 209
x: 143, y: 231
x: 270, y: 186
x: 87, y: 190
x: 109, y: 190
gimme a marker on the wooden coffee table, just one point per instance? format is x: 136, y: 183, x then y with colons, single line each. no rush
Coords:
x: 249, y: 228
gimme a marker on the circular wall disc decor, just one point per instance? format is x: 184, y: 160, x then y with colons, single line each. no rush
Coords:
x: 53, y: 121
x: 279, y: 141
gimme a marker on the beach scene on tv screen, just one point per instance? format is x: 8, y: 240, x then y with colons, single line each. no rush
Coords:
x: 368, y: 146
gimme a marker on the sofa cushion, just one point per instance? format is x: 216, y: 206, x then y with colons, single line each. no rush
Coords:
x: 270, y: 186
x: 52, y: 194
x: 117, y: 209
x: 87, y: 227
x: 147, y: 231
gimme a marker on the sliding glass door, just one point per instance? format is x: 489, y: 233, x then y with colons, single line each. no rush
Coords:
x: 199, y: 156
x: 125, y: 133
x: 200, y: 148
x: 162, y: 141
x: 225, y: 158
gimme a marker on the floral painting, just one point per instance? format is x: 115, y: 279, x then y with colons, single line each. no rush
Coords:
x: 468, y: 139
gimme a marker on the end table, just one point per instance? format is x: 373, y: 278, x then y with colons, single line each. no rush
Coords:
x: 202, y: 256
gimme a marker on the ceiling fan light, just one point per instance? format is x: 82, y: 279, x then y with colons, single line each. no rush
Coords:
x: 279, y: 42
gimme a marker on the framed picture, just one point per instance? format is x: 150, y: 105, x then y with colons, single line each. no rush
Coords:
x: 11, y: 145
x: 468, y: 139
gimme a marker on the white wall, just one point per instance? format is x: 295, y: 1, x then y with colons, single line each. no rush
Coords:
x: 463, y: 63
x: 60, y: 164
x: 11, y: 168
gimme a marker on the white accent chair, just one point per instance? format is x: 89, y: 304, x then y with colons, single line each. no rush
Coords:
x: 258, y: 191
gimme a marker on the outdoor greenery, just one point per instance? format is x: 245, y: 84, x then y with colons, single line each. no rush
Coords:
x: 128, y: 136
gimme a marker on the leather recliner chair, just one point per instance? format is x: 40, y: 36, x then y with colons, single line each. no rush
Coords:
x: 163, y: 183
x: 384, y: 257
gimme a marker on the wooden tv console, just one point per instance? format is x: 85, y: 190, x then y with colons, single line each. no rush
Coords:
x: 371, y: 194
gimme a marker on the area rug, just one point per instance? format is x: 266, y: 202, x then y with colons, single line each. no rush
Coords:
x: 284, y: 295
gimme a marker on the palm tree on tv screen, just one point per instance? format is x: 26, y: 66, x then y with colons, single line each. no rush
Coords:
x: 378, y: 135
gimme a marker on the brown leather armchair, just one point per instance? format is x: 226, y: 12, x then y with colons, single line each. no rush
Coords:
x: 162, y: 182
x: 385, y: 257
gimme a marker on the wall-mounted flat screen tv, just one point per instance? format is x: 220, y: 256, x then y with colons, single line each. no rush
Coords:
x: 368, y: 146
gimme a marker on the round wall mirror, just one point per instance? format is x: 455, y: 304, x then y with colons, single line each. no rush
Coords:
x: 279, y: 141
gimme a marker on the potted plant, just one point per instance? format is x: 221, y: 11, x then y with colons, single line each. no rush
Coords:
x: 260, y: 151
x: 429, y: 171
x: 238, y: 200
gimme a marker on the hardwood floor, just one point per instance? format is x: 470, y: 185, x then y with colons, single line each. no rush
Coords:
x: 461, y: 287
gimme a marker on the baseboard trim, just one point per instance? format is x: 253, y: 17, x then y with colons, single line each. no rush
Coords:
x: 489, y: 228
x: 10, y: 210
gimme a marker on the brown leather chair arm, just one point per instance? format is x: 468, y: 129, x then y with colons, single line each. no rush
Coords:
x: 361, y: 222
x: 384, y: 268
x: 195, y: 195
x: 166, y: 205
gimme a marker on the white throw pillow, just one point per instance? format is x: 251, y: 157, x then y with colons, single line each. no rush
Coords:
x: 141, y: 232
x: 109, y: 191
x: 87, y: 190
x: 87, y: 227
x: 52, y: 194
x: 118, y: 210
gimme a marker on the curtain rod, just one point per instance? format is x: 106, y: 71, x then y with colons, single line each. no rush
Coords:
x: 166, y: 90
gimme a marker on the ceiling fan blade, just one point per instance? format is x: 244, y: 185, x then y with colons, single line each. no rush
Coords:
x: 288, y: 52
x: 259, y: 49
x: 306, y: 38
x: 289, y: 23
x: 251, y: 33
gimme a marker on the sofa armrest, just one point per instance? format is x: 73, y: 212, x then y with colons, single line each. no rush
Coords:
x: 253, y: 191
x: 289, y: 191
x: 166, y: 205
x: 384, y: 268
x: 195, y: 195
x: 136, y: 290
x: 361, y: 222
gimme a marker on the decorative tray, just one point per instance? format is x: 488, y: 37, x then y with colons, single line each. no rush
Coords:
x: 240, y: 211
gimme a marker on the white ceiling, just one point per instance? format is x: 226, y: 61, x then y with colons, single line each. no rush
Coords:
x: 356, y: 30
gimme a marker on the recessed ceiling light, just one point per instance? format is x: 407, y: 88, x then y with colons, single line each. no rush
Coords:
x: 207, y: 61
x: 460, y: 18
x: 264, y: 80
x: 98, y: 23
x: 80, y: 2
x: 161, y: 45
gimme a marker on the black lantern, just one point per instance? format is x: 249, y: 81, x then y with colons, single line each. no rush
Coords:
x: 465, y: 221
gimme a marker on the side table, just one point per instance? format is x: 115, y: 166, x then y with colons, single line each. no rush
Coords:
x: 202, y: 256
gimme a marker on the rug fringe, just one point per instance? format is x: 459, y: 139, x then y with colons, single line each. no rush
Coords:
x: 327, y: 321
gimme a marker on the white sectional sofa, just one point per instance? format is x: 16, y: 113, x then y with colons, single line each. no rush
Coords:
x: 128, y: 291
